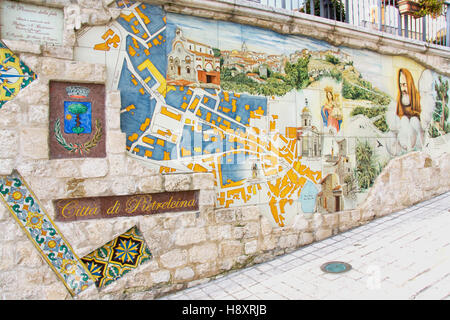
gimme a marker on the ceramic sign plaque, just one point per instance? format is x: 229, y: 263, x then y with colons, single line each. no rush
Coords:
x: 25, y: 22
x: 125, y: 206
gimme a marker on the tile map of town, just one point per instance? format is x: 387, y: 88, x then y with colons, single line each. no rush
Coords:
x: 255, y: 156
x: 182, y: 128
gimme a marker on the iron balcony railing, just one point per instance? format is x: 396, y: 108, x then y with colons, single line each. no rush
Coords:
x: 380, y: 15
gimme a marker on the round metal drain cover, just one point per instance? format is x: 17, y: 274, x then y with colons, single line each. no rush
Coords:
x: 335, y: 267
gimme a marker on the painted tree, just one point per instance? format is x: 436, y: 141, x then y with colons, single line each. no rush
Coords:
x: 366, y: 164
x: 441, y: 110
x: 77, y: 109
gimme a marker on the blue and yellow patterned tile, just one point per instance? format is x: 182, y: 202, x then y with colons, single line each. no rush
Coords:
x: 117, y: 257
x: 14, y: 75
x: 40, y: 229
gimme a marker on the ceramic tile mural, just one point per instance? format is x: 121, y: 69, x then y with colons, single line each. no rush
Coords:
x: 42, y: 232
x: 14, y: 75
x: 118, y: 257
x: 77, y: 120
x: 287, y: 122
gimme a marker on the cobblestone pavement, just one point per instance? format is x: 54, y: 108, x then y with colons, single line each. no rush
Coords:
x: 405, y: 255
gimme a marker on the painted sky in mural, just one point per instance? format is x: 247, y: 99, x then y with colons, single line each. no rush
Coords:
x: 290, y: 123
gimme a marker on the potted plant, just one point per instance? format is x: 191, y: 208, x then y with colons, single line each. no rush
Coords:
x: 433, y: 8
x: 421, y: 8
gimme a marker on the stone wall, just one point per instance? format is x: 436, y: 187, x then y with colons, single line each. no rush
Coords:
x: 189, y: 247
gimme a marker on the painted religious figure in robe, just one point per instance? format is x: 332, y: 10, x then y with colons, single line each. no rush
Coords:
x: 331, y: 111
x: 408, y: 100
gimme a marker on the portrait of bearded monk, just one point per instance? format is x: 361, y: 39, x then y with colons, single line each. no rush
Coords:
x: 408, y: 101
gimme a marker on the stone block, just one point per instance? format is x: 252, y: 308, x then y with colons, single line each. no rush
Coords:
x: 177, y: 182
x: 323, y: 233
x: 231, y: 248
x: 226, y: 215
x: 138, y: 168
x: 94, y: 168
x: 117, y: 164
x: 250, y: 213
x: 123, y: 185
x: 219, y: 232
x: 160, y: 276
x: 203, y: 253
x: 266, y: 226
x: 300, y: 223
x: 6, y: 166
x: 52, y: 68
x: 150, y: 184
x: 204, y: 270
x: 305, y: 238
x: 251, y: 247
x: 174, y: 259
x: 269, y: 242
x: 4, y: 213
x: 34, y: 143
x: 65, y: 168
x: 47, y: 188
x: 331, y: 220
x: 251, y: 230
x: 185, y: 273
x: 19, y: 46
x: 207, y: 198
x: 113, y: 100
x: 97, y: 187
x: 38, y: 115
x: 9, y: 142
x: 10, y: 115
x: 288, y: 241
x: 112, y: 118
x: 202, y: 181
x: 60, y: 52
x: 188, y: 236
x: 115, y: 141
x: 78, y: 71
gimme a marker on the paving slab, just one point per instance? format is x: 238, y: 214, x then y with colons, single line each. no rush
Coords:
x: 401, y: 256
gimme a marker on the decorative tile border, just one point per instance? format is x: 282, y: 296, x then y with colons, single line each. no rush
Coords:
x: 14, y: 75
x: 118, y: 257
x: 40, y: 229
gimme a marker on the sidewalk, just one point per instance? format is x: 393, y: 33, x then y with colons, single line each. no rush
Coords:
x: 405, y: 255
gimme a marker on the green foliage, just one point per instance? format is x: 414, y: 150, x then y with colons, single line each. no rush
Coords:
x: 369, y: 112
x: 367, y: 167
x: 297, y: 73
x: 77, y: 108
x: 242, y: 83
x: 276, y: 83
x: 363, y: 90
x: 430, y: 7
x: 332, y: 59
x: 380, y: 123
x: 441, y: 110
x: 216, y: 52
x: 77, y: 130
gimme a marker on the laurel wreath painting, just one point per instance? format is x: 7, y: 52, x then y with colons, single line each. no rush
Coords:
x: 79, y: 147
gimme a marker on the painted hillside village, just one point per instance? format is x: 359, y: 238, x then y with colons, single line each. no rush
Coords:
x: 195, y: 64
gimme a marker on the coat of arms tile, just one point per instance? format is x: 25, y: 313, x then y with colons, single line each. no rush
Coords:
x: 77, y: 120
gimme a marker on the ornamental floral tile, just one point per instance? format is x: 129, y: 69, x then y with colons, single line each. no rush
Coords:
x: 42, y: 232
x: 118, y: 257
x: 14, y: 75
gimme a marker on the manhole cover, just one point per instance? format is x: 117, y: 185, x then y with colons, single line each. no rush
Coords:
x: 335, y: 267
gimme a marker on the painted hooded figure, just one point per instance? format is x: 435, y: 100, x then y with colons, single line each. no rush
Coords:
x: 408, y: 100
